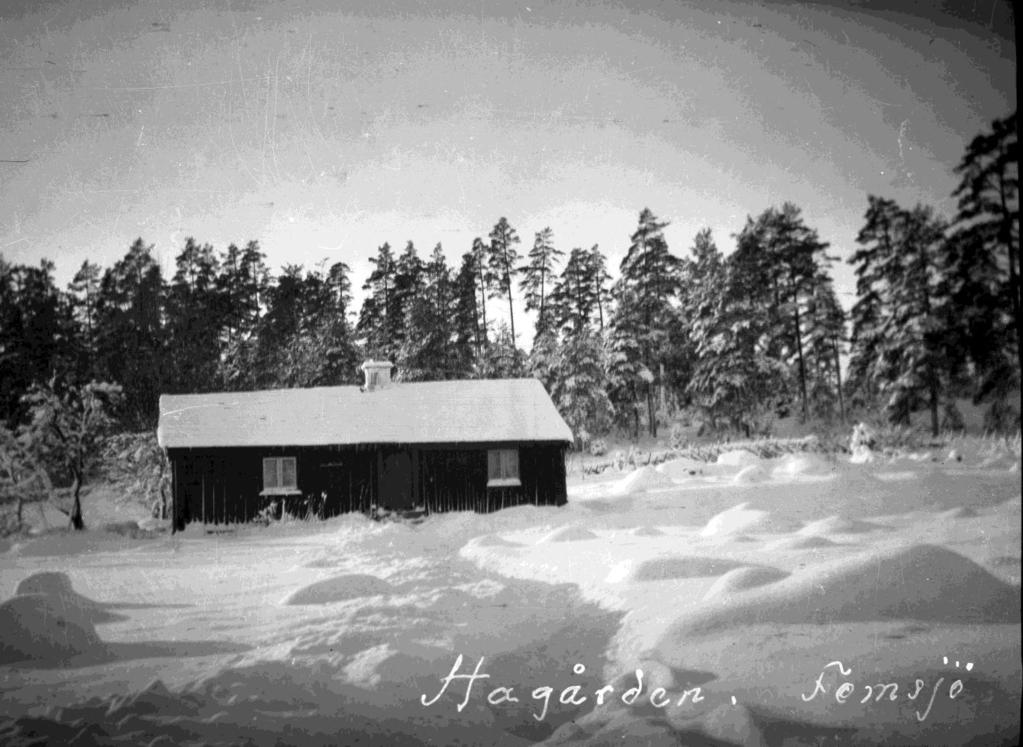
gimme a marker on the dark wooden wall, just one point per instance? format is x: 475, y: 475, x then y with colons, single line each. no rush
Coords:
x: 223, y: 485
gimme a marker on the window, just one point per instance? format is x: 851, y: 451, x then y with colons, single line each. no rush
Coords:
x: 280, y: 476
x: 503, y: 468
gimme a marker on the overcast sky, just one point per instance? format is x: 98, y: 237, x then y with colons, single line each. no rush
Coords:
x: 323, y: 129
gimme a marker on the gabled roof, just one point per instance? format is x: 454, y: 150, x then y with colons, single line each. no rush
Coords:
x: 479, y: 410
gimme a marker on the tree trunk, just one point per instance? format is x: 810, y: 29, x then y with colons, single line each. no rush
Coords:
x: 1005, y: 229
x: 838, y: 377
x: 76, y: 507
x: 799, y: 350
x: 651, y: 408
x: 511, y: 317
x: 483, y: 307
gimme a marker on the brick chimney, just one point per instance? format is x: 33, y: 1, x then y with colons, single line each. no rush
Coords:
x: 378, y: 375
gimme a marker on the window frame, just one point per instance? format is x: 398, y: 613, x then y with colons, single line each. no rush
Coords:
x: 279, y: 470
x: 506, y: 477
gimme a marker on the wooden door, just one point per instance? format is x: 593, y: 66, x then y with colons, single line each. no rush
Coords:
x: 395, y: 488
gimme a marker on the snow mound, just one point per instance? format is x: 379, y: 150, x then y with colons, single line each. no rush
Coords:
x: 961, y: 512
x: 647, y: 531
x: 737, y: 458
x: 746, y: 577
x: 922, y: 582
x: 681, y: 468
x: 741, y: 519
x: 751, y: 475
x: 57, y: 585
x: 340, y: 589
x: 569, y: 534
x: 838, y: 525
x: 809, y: 542
x: 642, y: 479
x: 796, y: 465
x: 682, y: 566
x: 47, y: 582
x: 494, y: 540
x: 44, y: 628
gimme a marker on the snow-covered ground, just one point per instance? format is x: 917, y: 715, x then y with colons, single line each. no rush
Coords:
x: 691, y: 603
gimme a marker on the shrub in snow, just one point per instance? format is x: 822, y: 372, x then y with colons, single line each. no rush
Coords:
x: 677, y: 438
x: 598, y: 447
x: 862, y: 444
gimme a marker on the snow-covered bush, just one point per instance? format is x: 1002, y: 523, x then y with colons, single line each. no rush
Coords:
x: 598, y: 447
x: 677, y: 437
x: 137, y: 465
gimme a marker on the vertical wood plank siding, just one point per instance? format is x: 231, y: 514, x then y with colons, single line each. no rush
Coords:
x: 221, y: 486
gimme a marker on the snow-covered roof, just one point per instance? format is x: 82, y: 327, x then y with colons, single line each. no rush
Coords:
x: 474, y: 411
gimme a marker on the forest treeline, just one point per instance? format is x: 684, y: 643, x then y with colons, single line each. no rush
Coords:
x: 732, y: 338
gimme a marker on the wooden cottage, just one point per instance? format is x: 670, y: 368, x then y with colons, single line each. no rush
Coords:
x: 435, y: 446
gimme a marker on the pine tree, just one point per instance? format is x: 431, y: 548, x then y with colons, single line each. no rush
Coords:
x: 280, y: 360
x: 537, y: 276
x: 574, y: 296
x: 782, y: 256
x: 580, y: 385
x: 340, y: 355
x: 915, y: 332
x: 194, y: 320
x: 243, y: 287
x: 701, y: 282
x: 408, y: 285
x: 644, y: 295
x: 898, y: 330
x: 129, y: 333
x: 465, y: 318
x: 735, y: 376
x: 500, y: 359
x: 378, y: 320
x: 825, y: 333
x: 597, y: 265
x: 982, y: 268
x: 425, y: 353
x: 484, y: 281
x: 83, y: 290
x: 502, y: 264
x: 877, y: 251
x: 34, y: 332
